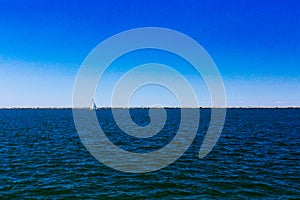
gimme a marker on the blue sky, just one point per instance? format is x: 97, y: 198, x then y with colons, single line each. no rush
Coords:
x: 255, y: 44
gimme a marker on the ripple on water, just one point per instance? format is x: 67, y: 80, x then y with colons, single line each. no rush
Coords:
x: 257, y: 156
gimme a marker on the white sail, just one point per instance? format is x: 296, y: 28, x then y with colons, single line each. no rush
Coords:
x: 93, y: 105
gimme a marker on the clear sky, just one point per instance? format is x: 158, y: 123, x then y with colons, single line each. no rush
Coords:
x: 255, y: 44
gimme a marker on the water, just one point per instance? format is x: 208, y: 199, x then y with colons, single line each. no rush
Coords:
x: 257, y: 156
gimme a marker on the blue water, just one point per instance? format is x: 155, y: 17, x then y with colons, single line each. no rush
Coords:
x: 257, y: 156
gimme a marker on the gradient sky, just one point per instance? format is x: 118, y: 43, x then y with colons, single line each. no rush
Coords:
x: 255, y: 44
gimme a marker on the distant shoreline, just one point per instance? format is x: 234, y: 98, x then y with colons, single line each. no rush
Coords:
x: 229, y: 107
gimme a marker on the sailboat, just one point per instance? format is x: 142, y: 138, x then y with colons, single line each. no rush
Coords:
x: 93, y: 105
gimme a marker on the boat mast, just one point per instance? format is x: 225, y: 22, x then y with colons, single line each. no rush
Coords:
x: 93, y: 105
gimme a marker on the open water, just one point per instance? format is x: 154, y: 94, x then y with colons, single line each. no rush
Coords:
x: 257, y: 156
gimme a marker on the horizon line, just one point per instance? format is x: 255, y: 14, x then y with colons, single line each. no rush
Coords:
x: 148, y: 107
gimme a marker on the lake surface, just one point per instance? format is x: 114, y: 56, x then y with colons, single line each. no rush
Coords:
x: 257, y: 156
